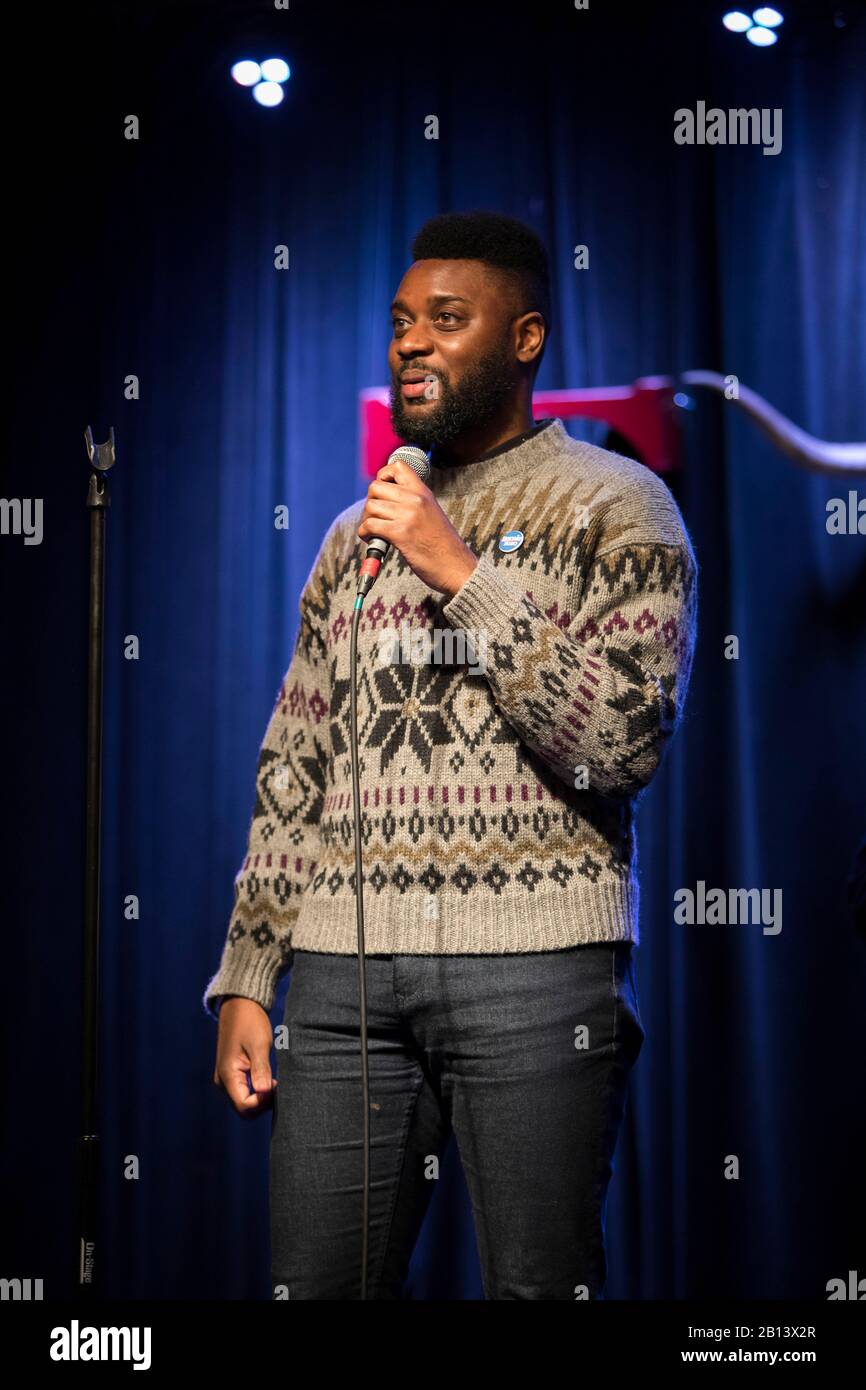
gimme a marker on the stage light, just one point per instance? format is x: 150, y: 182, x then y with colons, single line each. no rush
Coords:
x: 246, y: 72
x: 268, y: 93
x: 737, y: 22
x: 275, y: 70
x: 760, y: 37
x: 767, y: 17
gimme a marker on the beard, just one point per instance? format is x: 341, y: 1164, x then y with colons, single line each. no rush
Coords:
x: 476, y: 400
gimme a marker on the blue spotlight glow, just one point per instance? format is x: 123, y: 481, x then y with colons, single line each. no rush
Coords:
x: 246, y: 72
x: 275, y: 70
x: 268, y: 93
x: 760, y: 37
x: 767, y: 17
x: 737, y: 22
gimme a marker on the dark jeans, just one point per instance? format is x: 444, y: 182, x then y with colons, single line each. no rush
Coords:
x: 525, y: 1057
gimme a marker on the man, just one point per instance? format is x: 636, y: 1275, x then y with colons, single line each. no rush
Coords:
x: 498, y: 793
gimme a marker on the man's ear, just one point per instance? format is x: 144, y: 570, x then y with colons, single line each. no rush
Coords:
x: 530, y: 332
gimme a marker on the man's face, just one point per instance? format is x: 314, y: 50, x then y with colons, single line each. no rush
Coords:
x: 451, y: 355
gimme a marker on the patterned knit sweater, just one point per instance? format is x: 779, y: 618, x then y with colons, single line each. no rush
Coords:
x: 498, y: 776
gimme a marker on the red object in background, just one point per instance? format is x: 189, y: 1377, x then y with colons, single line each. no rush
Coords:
x: 644, y: 414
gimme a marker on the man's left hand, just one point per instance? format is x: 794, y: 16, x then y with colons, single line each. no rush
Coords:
x: 403, y: 511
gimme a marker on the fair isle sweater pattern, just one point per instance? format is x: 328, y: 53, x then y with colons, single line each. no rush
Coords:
x: 498, y: 797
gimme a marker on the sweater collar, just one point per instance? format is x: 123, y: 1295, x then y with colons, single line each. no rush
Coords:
x: 516, y: 458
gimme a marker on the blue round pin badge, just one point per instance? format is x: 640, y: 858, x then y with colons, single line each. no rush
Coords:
x: 512, y: 540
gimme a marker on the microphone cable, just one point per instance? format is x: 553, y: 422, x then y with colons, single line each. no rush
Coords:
x: 376, y: 552
x: 359, y: 916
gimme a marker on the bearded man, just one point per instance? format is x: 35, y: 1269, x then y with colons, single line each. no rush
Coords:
x: 498, y: 806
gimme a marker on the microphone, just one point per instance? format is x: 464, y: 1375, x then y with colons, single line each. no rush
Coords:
x: 378, y: 549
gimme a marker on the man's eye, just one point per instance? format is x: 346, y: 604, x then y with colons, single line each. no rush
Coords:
x: 446, y: 314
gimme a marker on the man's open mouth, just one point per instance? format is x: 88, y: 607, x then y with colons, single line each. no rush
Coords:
x: 416, y: 385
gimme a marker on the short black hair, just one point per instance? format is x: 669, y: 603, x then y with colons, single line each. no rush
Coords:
x: 500, y: 241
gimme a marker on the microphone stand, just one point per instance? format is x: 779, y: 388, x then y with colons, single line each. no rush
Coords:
x: 102, y: 458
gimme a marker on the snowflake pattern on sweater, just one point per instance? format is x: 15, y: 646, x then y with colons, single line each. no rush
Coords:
x: 497, y: 804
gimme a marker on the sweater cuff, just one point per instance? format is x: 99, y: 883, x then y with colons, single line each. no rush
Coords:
x: 484, y: 602
x: 251, y: 978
